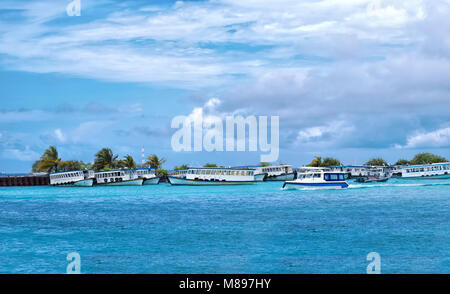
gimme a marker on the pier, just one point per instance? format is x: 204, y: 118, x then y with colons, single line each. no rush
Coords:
x: 30, y: 180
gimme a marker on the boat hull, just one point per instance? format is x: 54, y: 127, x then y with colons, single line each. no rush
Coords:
x: 136, y: 182
x: 187, y: 182
x: 283, y: 177
x: 82, y: 183
x: 260, y: 177
x: 152, y: 181
x: 436, y: 177
x: 371, y: 180
x: 303, y: 186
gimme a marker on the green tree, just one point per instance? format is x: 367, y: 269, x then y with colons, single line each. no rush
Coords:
x: 264, y: 164
x: 402, y: 162
x: 105, y: 159
x: 210, y: 165
x: 71, y: 165
x: 316, y: 162
x: 427, y: 158
x: 377, y: 162
x: 161, y: 172
x: 183, y: 166
x: 34, y: 167
x: 329, y: 161
x: 128, y: 162
x: 154, y: 162
x: 50, y: 160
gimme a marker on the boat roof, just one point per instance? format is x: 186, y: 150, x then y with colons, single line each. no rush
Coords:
x: 227, y: 168
x: 71, y: 171
x: 256, y: 166
x: 424, y: 165
x: 321, y: 171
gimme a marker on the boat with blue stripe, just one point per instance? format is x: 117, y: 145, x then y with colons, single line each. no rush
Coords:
x: 317, y: 178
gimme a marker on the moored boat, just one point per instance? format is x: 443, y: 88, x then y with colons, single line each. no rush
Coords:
x: 149, y: 176
x: 282, y: 172
x: 179, y: 173
x: 426, y: 171
x: 77, y: 178
x: 214, y: 176
x: 318, y: 179
x: 123, y: 177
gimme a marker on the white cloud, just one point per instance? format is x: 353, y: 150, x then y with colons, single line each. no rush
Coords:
x: 23, y: 116
x: 60, y: 136
x: 20, y: 154
x: 437, y: 138
x: 115, y: 47
x: 333, y: 129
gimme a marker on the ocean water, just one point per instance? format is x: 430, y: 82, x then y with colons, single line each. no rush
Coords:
x: 227, y: 229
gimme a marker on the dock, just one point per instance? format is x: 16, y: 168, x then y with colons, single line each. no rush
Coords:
x: 28, y: 180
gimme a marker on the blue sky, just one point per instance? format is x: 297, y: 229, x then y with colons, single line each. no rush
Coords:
x: 352, y: 79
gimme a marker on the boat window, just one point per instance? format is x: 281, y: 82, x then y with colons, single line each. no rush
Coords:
x: 316, y: 175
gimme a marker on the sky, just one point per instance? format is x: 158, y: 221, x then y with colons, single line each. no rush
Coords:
x: 351, y: 79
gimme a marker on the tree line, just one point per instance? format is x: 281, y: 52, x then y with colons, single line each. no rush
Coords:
x: 104, y: 159
x: 421, y: 158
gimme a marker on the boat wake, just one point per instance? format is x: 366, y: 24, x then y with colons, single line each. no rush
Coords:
x: 386, y: 185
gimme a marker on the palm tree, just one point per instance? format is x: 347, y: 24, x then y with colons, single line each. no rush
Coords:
x: 128, y: 162
x: 105, y: 158
x: 316, y: 162
x: 50, y: 160
x: 154, y: 162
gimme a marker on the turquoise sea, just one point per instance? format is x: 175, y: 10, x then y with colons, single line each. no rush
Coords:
x: 227, y: 229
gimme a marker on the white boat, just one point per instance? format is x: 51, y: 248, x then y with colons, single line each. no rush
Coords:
x: 426, y: 171
x: 281, y: 172
x: 77, y: 178
x: 320, y: 178
x: 179, y: 173
x: 205, y: 176
x: 149, y: 176
x: 122, y: 177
